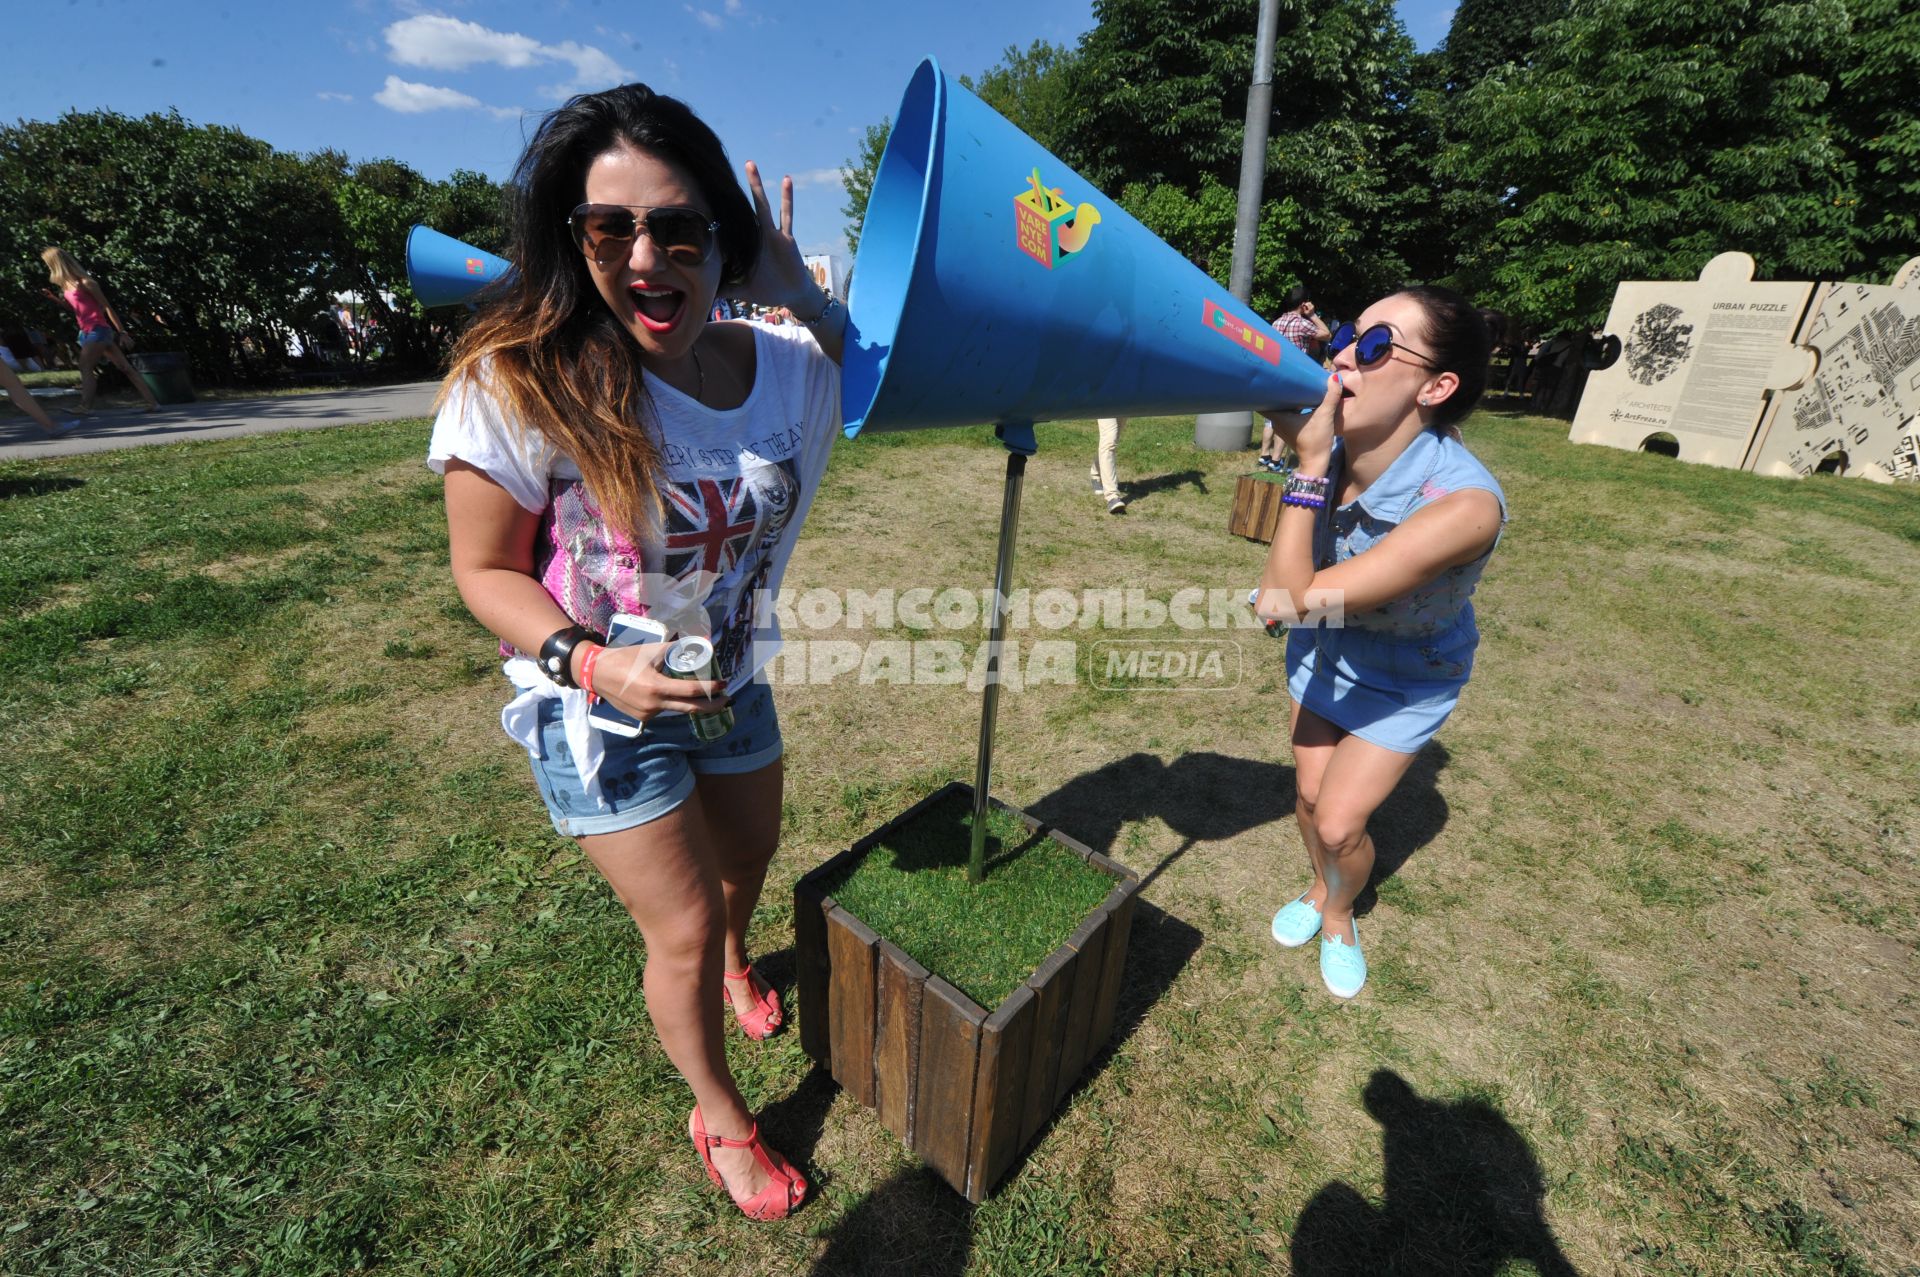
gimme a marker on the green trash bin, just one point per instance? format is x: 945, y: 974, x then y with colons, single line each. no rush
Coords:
x: 166, y: 375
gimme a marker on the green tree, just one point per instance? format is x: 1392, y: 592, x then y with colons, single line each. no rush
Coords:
x: 208, y: 240
x: 1486, y: 34
x: 859, y: 181
x: 1034, y: 88
x: 1644, y: 138
x: 1160, y: 93
x: 1879, y: 128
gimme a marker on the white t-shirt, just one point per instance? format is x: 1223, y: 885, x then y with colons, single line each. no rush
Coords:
x: 739, y: 484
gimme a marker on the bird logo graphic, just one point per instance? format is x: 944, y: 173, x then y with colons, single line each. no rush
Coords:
x: 1048, y: 227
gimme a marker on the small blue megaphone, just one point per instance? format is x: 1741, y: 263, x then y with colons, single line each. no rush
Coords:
x: 445, y: 272
x: 994, y: 284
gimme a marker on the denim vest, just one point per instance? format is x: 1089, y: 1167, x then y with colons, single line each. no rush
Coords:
x: 1436, y: 618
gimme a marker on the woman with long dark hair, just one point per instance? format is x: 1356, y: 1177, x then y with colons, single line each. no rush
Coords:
x: 1389, y: 521
x: 609, y: 449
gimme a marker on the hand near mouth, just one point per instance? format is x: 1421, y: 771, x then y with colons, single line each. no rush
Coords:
x: 1312, y: 437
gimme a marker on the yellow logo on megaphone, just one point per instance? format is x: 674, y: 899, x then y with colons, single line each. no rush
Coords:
x: 1047, y: 227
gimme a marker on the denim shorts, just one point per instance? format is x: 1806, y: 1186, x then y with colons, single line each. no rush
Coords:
x: 647, y: 776
x: 98, y: 337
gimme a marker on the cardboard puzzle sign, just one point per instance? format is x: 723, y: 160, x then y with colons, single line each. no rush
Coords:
x: 1777, y: 378
x: 1697, y: 361
x: 1864, y: 401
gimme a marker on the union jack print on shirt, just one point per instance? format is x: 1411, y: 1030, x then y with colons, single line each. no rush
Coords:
x: 709, y: 525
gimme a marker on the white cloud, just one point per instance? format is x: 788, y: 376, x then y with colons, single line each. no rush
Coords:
x: 409, y: 98
x: 592, y: 69
x: 450, y: 44
x: 326, y: 96
x: 708, y: 19
x: 819, y: 177
x: 735, y: 8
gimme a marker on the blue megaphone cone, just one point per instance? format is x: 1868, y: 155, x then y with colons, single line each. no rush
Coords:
x: 445, y: 272
x: 994, y: 284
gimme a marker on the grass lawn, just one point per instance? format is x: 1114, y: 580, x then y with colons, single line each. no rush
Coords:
x: 295, y: 977
x: 983, y: 938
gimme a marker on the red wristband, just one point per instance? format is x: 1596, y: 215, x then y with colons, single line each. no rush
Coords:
x: 588, y: 660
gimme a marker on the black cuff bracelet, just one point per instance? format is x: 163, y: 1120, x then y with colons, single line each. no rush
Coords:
x: 556, y: 654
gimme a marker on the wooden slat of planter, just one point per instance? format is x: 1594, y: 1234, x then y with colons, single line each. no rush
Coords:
x: 950, y: 1025
x: 1052, y: 986
x: 850, y: 947
x: 1119, y: 907
x: 811, y: 970
x: 896, y: 1039
x: 1000, y: 1093
x: 1090, y: 941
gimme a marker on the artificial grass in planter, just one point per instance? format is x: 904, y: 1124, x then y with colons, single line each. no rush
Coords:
x: 983, y: 938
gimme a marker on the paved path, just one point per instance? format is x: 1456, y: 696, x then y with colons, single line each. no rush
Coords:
x: 114, y: 428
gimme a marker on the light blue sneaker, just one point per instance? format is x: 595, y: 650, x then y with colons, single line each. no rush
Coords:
x: 1296, y: 923
x: 1342, y: 966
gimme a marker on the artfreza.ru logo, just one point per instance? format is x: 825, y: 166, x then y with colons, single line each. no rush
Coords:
x: 1159, y: 665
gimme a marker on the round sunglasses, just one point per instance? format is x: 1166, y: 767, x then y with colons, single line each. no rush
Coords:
x: 1371, y: 346
x: 685, y: 235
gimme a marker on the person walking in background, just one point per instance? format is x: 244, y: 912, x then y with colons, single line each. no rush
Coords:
x: 1306, y: 330
x: 23, y: 400
x: 1103, y: 469
x: 101, y: 333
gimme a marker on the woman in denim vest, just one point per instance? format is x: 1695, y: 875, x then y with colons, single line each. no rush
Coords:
x: 1387, y: 525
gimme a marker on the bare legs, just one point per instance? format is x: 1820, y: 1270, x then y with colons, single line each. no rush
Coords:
x: 744, y: 848
x: 17, y: 394
x: 90, y: 356
x: 1340, y: 780
x: 690, y: 880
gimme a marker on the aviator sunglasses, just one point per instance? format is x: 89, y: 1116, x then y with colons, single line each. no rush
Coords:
x: 1371, y: 346
x: 685, y: 235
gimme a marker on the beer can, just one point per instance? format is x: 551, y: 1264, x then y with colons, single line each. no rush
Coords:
x: 692, y: 658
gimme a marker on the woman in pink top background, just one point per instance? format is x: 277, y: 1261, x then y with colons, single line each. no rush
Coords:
x: 101, y: 332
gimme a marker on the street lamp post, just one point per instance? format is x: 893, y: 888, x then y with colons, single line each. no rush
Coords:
x: 1231, y: 431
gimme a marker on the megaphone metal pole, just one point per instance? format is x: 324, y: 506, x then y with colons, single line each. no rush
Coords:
x: 1020, y: 445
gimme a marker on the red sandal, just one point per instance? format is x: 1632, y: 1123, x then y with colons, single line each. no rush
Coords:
x: 765, y: 1019
x: 786, y: 1187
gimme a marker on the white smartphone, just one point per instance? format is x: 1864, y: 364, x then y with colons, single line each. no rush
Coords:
x: 624, y: 631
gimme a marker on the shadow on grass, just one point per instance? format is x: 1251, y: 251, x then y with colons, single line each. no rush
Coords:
x: 40, y: 487
x: 1462, y: 1197
x: 1136, y: 489
x: 911, y: 1226
x: 1207, y: 797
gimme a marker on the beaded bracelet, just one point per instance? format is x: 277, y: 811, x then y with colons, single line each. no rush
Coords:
x: 1303, y: 501
x: 1308, y: 484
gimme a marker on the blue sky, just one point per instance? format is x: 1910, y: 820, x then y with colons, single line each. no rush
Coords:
x: 456, y: 84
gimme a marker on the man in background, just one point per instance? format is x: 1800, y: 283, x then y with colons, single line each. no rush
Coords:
x: 1299, y: 325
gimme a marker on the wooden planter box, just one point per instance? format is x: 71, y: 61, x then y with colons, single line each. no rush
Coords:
x: 1256, y: 506
x: 966, y: 1088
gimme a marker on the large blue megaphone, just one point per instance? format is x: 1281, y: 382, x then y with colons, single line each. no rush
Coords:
x: 445, y: 272
x: 994, y: 284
